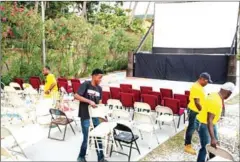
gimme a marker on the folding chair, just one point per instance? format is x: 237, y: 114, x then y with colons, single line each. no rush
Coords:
x: 20, y: 81
x: 27, y: 85
x: 220, y: 154
x: 60, y: 119
x: 137, y: 95
x: 35, y: 82
x: 152, y: 100
x: 143, y: 122
x: 166, y: 92
x: 122, y: 117
x: 141, y: 107
x: 165, y: 115
x: 6, y: 134
x: 105, y: 97
x: 8, y: 156
x: 123, y: 134
x: 114, y: 103
x: 76, y: 83
x: 63, y: 82
x: 145, y: 89
x: 127, y: 100
x: 126, y: 88
x: 115, y: 92
x: 174, y: 104
x: 15, y: 85
x: 101, y: 134
x: 183, y: 100
x: 158, y: 95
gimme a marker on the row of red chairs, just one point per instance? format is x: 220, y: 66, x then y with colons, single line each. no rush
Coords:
x: 61, y: 82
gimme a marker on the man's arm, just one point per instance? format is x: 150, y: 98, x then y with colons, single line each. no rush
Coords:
x: 197, y: 103
x: 210, y: 118
x: 80, y: 93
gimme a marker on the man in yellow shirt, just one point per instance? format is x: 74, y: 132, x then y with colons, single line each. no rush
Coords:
x: 50, y: 87
x: 209, y: 116
x: 197, y: 97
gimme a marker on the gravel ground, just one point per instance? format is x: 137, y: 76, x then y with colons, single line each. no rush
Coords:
x: 172, y: 150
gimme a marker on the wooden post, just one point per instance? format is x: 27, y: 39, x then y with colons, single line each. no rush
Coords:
x: 232, y: 69
x: 130, y: 64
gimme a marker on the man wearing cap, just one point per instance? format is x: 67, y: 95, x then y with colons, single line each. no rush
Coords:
x: 209, y: 116
x: 197, y: 97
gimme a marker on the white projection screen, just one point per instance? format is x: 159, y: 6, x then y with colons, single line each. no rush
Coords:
x: 195, y: 24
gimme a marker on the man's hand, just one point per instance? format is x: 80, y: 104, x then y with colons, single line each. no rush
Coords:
x: 47, y: 92
x: 92, y: 104
x: 214, y: 143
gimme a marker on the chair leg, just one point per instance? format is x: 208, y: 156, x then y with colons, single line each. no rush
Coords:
x: 179, y: 118
x: 130, y: 152
x: 50, y: 127
x: 72, y: 128
x: 111, y: 148
x: 137, y: 148
x: 159, y: 123
x: 141, y: 134
x: 174, y: 124
x: 64, y: 133
x: 154, y: 131
x: 184, y: 117
x: 59, y: 128
x: 120, y: 144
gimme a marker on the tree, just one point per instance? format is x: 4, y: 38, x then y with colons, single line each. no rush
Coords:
x: 133, y: 12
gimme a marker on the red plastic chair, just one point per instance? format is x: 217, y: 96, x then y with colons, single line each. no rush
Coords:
x: 35, y: 82
x: 115, y: 92
x: 63, y: 82
x: 145, y: 90
x: 152, y: 100
x: 187, y: 93
x: 105, y: 97
x: 158, y: 95
x: 127, y: 100
x: 126, y: 88
x: 137, y: 95
x: 76, y: 83
x: 166, y: 92
x: 19, y: 81
x: 174, y: 104
x: 183, y: 100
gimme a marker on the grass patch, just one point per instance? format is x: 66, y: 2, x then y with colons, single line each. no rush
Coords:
x: 173, y: 145
x: 234, y: 100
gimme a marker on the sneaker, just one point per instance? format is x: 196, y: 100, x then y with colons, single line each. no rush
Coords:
x: 103, y: 160
x: 189, y: 149
x: 81, y: 160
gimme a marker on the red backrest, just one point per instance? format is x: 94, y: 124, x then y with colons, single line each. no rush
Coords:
x: 126, y: 88
x: 63, y: 84
x: 35, y: 82
x: 76, y: 83
x: 127, y: 99
x: 151, y: 100
x: 158, y: 95
x: 166, y: 92
x: 187, y: 93
x: 19, y: 81
x: 105, y: 97
x: 137, y: 95
x: 62, y: 79
x: 145, y: 90
x: 183, y: 100
x: 174, y: 104
x: 115, y: 92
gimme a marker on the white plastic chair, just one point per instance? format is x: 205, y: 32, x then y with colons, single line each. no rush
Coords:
x: 141, y: 107
x: 102, y: 133
x: 220, y: 153
x: 143, y: 122
x: 165, y: 114
x: 228, y: 130
x: 15, y: 85
x: 6, y: 134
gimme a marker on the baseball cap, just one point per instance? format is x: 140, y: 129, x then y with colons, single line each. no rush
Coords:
x: 229, y: 86
x: 206, y: 76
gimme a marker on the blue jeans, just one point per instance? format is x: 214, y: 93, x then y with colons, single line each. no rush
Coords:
x: 204, y: 139
x: 85, y: 126
x: 191, y: 126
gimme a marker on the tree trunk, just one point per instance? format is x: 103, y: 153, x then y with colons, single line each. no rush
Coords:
x: 133, y: 12
x: 84, y: 10
x: 130, y: 65
x: 36, y: 7
x: 146, y: 12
